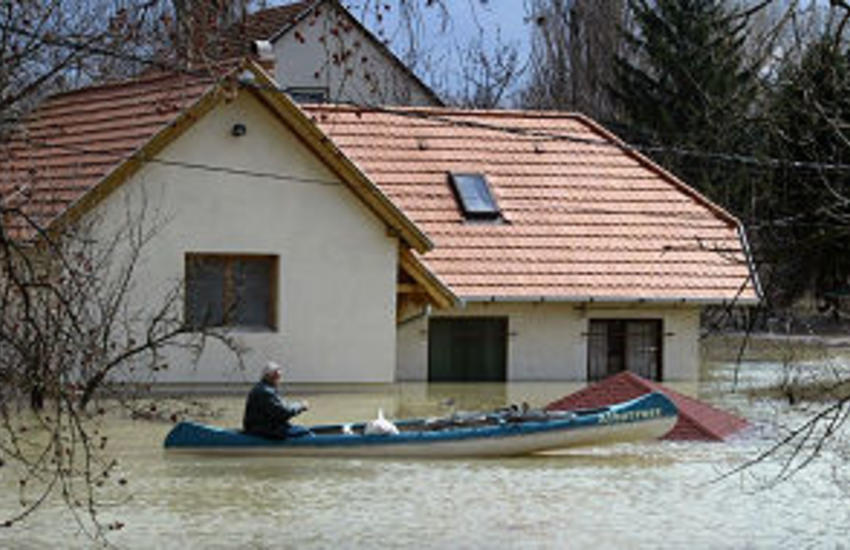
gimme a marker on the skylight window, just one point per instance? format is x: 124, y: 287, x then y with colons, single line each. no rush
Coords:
x: 474, y: 196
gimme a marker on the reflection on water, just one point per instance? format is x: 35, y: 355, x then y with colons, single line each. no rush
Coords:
x: 651, y: 495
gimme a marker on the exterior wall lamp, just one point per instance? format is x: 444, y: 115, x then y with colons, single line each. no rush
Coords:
x: 238, y: 130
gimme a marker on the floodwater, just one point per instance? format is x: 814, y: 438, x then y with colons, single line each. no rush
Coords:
x: 647, y: 495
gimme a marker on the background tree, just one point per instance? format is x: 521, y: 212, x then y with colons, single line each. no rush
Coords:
x: 54, y: 45
x: 198, y: 24
x: 684, y: 85
x: 69, y: 335
x: 573, y: 44
x: 71, y: 341
x: 487, y: 75
x: 805, y: 229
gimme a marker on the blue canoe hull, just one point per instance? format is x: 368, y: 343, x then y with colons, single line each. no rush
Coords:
x: 646, y: 417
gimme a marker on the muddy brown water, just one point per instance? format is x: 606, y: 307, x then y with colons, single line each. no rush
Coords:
x: 647, y: 495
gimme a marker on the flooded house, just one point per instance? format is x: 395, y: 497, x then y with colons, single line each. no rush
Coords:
x: 382, y: 244
x: 575, y: 256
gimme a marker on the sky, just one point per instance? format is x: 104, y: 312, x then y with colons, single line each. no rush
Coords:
x: 494, y: 21
x: 507, y: 16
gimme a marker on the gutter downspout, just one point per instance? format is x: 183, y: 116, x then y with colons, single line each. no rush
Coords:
x: 742, y: 235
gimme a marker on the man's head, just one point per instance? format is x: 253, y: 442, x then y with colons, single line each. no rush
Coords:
x: 272, y: 373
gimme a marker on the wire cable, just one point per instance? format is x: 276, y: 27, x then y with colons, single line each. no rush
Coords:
x: 689, y: 218
x: 181, y: 164
x: 763, y: 162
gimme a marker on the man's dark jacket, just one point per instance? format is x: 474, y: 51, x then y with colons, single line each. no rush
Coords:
x: 266, y: 413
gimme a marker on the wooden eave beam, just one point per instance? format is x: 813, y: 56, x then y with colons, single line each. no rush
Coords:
x: 410, y: 288
x: 437, y: 292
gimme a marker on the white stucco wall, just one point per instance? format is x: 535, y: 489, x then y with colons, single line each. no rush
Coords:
x: 548, y: 341
x: 304, y: 57
x: 337, y: 264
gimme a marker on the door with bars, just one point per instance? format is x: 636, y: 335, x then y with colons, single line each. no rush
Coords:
x: 616, y: 345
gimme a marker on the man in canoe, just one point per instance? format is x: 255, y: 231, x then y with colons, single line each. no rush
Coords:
x: 266, y: 414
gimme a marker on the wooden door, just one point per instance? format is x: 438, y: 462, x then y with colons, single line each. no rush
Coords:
x: 467, y: 349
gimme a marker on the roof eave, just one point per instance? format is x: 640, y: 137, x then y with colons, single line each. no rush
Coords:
x: 754, y: 276
x: 626, y: 300
x: 440, y: 294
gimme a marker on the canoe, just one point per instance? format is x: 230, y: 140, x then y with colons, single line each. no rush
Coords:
x: 508, y: 432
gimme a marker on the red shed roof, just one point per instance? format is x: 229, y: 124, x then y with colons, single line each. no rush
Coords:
x: 583, y: 217
x: 697, y: 420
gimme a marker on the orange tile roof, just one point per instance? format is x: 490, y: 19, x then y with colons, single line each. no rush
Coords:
x: 582, y: 217
x: 73, y: 140
x: 78, y: 146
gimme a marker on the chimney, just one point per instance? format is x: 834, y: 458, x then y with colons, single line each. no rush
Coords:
x: 263, y: 53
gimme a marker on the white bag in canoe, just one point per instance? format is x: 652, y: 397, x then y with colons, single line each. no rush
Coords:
x: 380, y: 426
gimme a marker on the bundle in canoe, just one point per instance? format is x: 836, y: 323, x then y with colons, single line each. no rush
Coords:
x: 500, y: 433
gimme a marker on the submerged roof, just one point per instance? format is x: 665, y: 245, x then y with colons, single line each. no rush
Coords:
x: 697, y: 420
x: 582, y: 217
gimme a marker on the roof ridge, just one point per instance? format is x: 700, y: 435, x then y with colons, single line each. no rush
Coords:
x: 210, y: 74
x: 142, y: 78
x: 537, y: 113
x: 82, y: 104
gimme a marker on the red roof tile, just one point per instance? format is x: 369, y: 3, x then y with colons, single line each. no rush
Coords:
x: 697, y: 420
x: 581, y: 216
x: 73, y: 140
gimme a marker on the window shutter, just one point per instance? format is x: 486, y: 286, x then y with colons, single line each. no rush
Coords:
x: 253, y: 293
x: 205, y: 284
